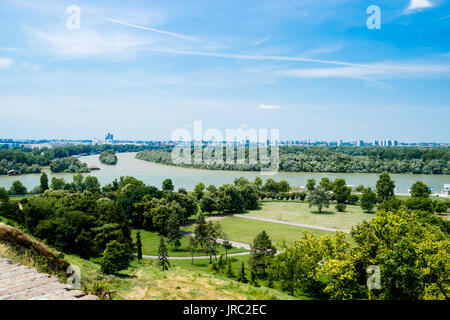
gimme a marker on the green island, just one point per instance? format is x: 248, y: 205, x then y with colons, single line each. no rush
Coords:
x: 245, y: 240
x: 108, y: 157
x: 343, y: 159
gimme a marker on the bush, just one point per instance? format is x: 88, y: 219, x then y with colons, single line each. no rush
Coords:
x: 115, y: 258
x: 440, y: 207
x: 340, y: 207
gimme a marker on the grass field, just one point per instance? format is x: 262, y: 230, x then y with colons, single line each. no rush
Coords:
x: 145, y: 281
x: 244, y: 230
x: 150, y: 245
x: 301, y: 213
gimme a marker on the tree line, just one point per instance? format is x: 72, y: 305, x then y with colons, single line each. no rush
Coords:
x: 417, y: 160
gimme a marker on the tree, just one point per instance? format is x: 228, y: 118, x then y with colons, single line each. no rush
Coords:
x: 173, y: 230
x: 420, y: 190
x: 258, y: 182
x: 326, y: 184
x: 78, y: 181
x: 385, y: 187
x: 368, y: 199
x: 207, y: 204
x: 270, y: 186
x: 198, y: 190
x: 214, y: 231
x: 226, y: 245
x: 261, y: 249
x: 229, y: 270
x: 318, y: 197
x: 341, y: 192
x: 192, y: 247
x: 310, y: 184
x: 167, y: 185
x: 115, y: 258
x: 91, y: 184
x: 17, y: 189
x: 44, y: 183
x: 57, y: 184
x: 163, y: 261
x: 242, y: 277
x: 201, y: 230
x: 139, y: 246
x: 230, y: 199
x: 283, y: 186
x: 253, y: 281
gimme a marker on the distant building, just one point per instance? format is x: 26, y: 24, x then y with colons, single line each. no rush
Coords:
x: 340, y: 142
x: 109, y: 138
x: 360, y: 143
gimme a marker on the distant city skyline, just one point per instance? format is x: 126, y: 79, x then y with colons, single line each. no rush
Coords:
x: 312, y: 69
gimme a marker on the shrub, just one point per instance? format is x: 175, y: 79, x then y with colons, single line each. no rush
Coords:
x: 340, y: 207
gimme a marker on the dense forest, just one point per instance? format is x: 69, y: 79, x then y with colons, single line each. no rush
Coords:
x: 26, y: 160
x: 335, y: 159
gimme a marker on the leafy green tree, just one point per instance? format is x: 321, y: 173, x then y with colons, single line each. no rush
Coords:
x: 360, y: 188
x: 173, y: 230
x: 368, y: 199
x: 318, y: 197
x: 139, y: 246
x: 167, y: 185
x: 258, y: 182
x: 341, y: 192
x: 242, y: 276
x: 270, y: 186
x: 198, y: 190
x: 192, y: 247
x: 283, y: 186
x: 261, y: 250
x: 201, y: 230
x: 163, y: 260
x: 230, y: 199
x: 92, y: 184
x: 78, y: 182
x: 207, y: 204
x: 17, y: 189
x: 340, y: 207
x: 420, y: 190
x: 326, y: 184
x: 385, y: 187
x: 310, y: 184
x: 115, y: 258
x: 57, y: 184
x: 226, y: 245
x: 44, y: 183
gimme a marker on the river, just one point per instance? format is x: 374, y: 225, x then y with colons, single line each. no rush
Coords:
x: 154, y: 174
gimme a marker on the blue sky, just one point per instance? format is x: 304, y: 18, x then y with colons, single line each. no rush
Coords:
x: 141, y: 69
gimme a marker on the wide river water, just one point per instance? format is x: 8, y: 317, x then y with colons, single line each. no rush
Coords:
x: 154, y: 174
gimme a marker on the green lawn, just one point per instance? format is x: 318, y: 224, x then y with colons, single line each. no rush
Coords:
x: 150, y: 245
x: 301, y: 213
x: 244, y: 230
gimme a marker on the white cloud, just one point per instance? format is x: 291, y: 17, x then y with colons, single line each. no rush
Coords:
x: 6, y: 63
x: 268, y: 106
x: 34, y: 67
x: 84, y: 43
x: 419, y: 4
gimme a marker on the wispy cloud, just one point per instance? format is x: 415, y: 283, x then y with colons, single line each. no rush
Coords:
x: 370, y: 71
x: 6, y: 63
x: 172, y: 34
x: 268, y: 106
x: 415, y: 5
